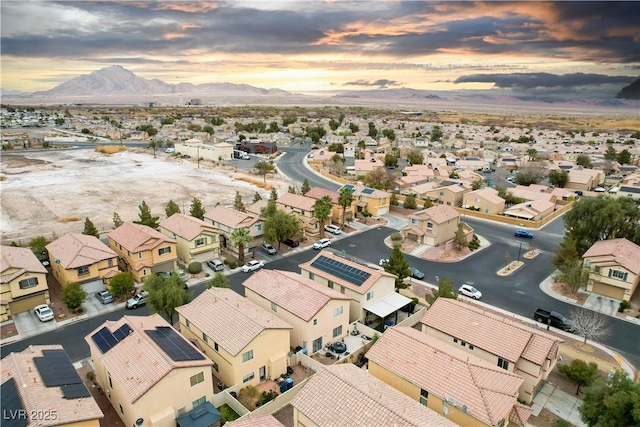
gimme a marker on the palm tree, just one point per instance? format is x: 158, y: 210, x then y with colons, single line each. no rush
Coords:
x: 345, y: 198
x: 239, y: 238
x: 322, y: 211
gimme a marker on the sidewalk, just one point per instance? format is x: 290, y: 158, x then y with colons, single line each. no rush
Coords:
x: 559, y: 402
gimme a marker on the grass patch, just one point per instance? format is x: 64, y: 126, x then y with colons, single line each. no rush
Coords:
x: 259, y: 184
x: 227, y: 413
x: 69, y: 219
x: 110, y: 149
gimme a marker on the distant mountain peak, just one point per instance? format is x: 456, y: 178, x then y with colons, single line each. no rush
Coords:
x: 632, y: 91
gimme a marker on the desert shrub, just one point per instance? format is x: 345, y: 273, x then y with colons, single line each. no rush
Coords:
x: 194, y: 268
x: 110, y: 149
x: 73, y: 295
x: 474, y: 243
x: 91, y: 376
x: 623, y: 306
x: 396, y: 236
x: 231, y: 263
x: 266, y: 397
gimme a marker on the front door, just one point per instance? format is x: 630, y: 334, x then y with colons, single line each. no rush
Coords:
x: 317, y: 344
x: 263, y: 373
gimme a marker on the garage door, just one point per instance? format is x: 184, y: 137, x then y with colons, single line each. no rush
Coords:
x: 93, y: 286
x: 383, y: 210
x: 26, y: 304
x: 608, y: 290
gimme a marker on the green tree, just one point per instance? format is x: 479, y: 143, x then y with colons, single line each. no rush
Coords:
x: 145, y: 216
x: 477, y: 184
x: 122, y: 285
x: 611, y: 153
x: 38, y: 246
x: 559, y: 177
x: 322, y: 211
x: 292, y: 189
x: 584, y: 160
x: 445, y: 290
x: 428, y: 203
x: 624, y: 157
x: 270, y: 209
x: 574, y: 275
x: 240, y: 237
x: 566, y: 252
x: 153, y: 145
x: 117, y: 221
x: 263, y: 168
x: 345, y: 200
x: 460, y: 238
x: 354, y: 128
x: 415, y: 157
x: 390, y: 160
x: 90, y: 229
x: 305, y: 186
x: 197, y: 210
x: 379, y: 179
x: 528, y: 176
x: 533, y: 154
x: 373, y: 132
x: 508, y: 197
x: 219, y: 280
x: 273, y: 127
x: 238, y: 204
x: 279, y: 226
x: 410, y: 202
x: 172, y: 208
x: 217, y: 121
x: 333, y: 124
x: 398, y: 266
x: 274, y: 194
x: 436, y: 134
x: 393, y: 200
x: 580, y: 372
x: 73, y: 295
x: 208, y: 129
x: 613, y: 403
x: 257, y: 197
x: 165, y: 295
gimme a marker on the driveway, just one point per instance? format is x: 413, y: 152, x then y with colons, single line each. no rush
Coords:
x: 561, y: 403
x: 27, y: 324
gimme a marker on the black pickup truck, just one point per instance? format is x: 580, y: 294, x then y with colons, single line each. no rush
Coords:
x: 557, y: 319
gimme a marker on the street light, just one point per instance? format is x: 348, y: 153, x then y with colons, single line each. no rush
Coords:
x: 519, y: 251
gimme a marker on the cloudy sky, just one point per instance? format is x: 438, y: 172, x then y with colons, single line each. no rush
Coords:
x: 309, y: 45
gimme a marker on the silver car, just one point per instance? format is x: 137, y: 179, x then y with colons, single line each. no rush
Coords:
x: 138, y: 300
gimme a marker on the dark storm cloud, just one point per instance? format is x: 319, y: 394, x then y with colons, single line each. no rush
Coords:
x: 380, y: 83
x: 526, y: 81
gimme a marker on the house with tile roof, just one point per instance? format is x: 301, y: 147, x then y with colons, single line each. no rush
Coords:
x: 464, y: 388
x: 196, y: 240
x: 337, y: 210
x: 448, y: 192
x: 28, y: 389
x: 532, y: 210
x: 485, y: 200
x: 247, y: 344
x: 79, y: 258
x: 500, y: 341
x: 302, y: 207
x: 371, y: 290
x: 585, y: 179
x: 533, y: 192
x: 149, y: 371
x: 259, y: 421
x: 143, y: 251
x: 319, y: 315
x: 614, y: 268
x: 23, y: 282
x: 432, y: 226
x: 376, y: 202
x: 345, y: 395
x: 226, y: 220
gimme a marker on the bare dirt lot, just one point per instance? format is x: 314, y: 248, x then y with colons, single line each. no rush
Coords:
x: 50, y: 193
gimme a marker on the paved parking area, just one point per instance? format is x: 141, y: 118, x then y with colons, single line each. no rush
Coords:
x: 27, y: 324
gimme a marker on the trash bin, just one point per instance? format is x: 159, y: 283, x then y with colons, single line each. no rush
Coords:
x: 289, y: 383
x: 283, y: 386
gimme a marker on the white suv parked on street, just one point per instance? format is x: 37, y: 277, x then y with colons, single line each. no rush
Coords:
x: 333, y: 229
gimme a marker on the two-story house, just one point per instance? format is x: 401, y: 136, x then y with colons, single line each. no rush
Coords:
x: 345, y: 395
x: 303, y: 208
x: 371, y: 290
x: 80, y: 258
x: 196, y: 240
x: 247, y: 344
x: 448, y: 193
x: 33, y: 395
x: 500, y: 341
x: 23, y: 282
x: 485, y: 200
x: 376, y: 202
x: 142, y: 250
x: 226, y: 220
x: 337, y: 210
x: 319, y: 315
x: 432, y: 226
x: 149, y: 371
x: 614, y: 268
x: 444, y: 378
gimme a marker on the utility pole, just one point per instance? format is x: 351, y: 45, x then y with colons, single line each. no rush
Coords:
x: 519, y: 250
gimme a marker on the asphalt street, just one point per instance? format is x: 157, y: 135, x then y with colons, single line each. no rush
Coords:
x: 292, y: 165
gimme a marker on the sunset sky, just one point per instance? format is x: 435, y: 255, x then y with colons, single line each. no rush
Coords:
x: 309, y: 45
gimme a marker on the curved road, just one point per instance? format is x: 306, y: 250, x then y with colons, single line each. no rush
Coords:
x: 292, y: 165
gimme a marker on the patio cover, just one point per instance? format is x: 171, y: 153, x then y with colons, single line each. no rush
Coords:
x: 524, y: 215
x: 200, y: 416
x: 387, y: 305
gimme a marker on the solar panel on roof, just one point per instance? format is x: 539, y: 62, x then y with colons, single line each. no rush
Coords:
x: 104, y: 339
x: 74, y: 391
x: 56, y: 369
x: 11, y: 404
x: 367, y: 191
x: 339, y: 269
x: 122, y: 332
x: 174, y: 345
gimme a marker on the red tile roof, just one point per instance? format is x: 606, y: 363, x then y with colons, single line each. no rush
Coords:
x: 619, y: 251
x: 186, y: 226
x: 75, y: 250
x: 259, y: 421
x: 137, y: 238
x: 231, y: 217
x: 296, y: 201
x: 319, y: 193
x: 21, y: 259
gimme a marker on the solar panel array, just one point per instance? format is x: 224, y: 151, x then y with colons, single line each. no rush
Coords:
x: 174, y: 345
x: 56, y: 370
x: 339, y: 269
x: 11, y: 404
x: 367, y: 191
x: 350, y: 187
x: 105, y: 340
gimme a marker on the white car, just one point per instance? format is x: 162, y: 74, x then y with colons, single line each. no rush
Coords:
x: 322, y: 243
x: 383, y: 261
x: 252, y: 266
x: 599, y: 189
x: 170, y: 150
x: 333, y: 229
x: 470, y: 291
x: 43, y: 312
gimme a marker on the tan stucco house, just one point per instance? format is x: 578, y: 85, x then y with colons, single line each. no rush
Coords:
x: 523, y: 350
x: 148, y: 370
x: 142, y: 250
x: 80, y: 258
x: 319, y: 315
x: 345, y: 395
x: 226, y: 220
x: 23, y: 282
x: 376, y: 202
x: 432, y: 226
x: 337, y: 210
x: 485, y: 200
x: 444, y: 378
x: 30, y: 398
x: 448, y: 193
x: 614, y: 268
x: 247, y: 344
x: 196, y: 240
x: 533, y: 210
x: 302, y: 207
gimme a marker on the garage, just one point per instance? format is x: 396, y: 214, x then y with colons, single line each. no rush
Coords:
x: 93, y: 286
x: 608, y: 290
x: 26, y: 304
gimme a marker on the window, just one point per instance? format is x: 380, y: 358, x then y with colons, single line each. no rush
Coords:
x: 110, y: 383
x: 82, y: 271
x: 455, y: 340
x: 199, y: 402
x: 205, y: 338
x: 139, y: 255
x: 369, y: 295
x: 144, y: 272
x: 424, y: 397
x: 163, y: 251
x: 470, y: 347
x: 28, y: 283
x: 247, y: 356
x: 201, y: 242
x: 338, y: 311
x: 597, y: 269
x: 462, y: 343
x: 330, y: 284
x: 215, y: 366
x: 504, y: 364
x: 312, y: 276
x: 109, y: 262
x: 274, y: 306
x: 618, y: 275
x: 258, y: 227
x: 188, y: 324
x: 477, y: 199
x: 342, y: 290
x: 215, y: 346
x: 429, y: 225
x: 442, y: 193
x: 414, y: 221
x: 197, y: 379
x: 337, y: 331
x: 121, y: 410
x: 247, y: 378
x: 315, y: 322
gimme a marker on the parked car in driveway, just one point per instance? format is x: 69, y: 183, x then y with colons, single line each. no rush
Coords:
x: 599, y: 189
x: 333, y: 229
x: 469, y: 291
x: 416, y: 274
x: 43, y: 312
x: 163, y: 274
x: 292, y: 242
x: 215, y: 265
x: 104, y: 297
x: 252, y: 266
x: 266, y: 247
x: 523, y: 233
x: 322, y: 243
x: 138, y: 300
